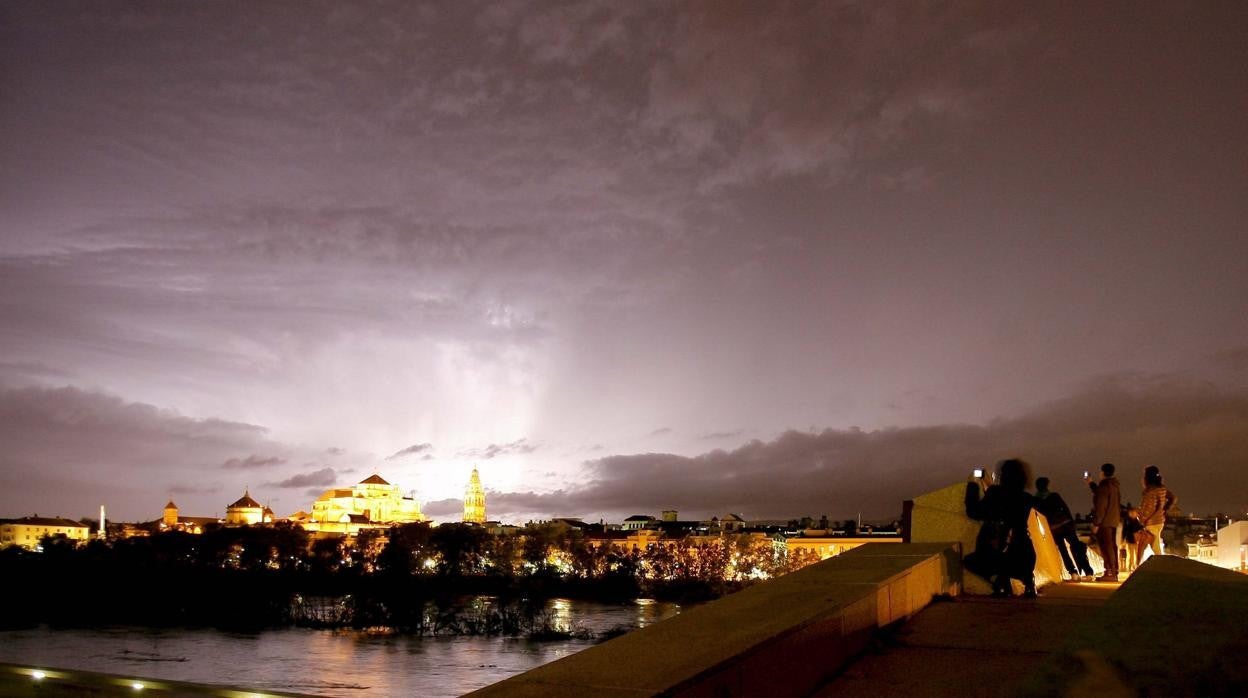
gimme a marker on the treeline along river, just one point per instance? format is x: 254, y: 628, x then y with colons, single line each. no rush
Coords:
x: 431, y: 600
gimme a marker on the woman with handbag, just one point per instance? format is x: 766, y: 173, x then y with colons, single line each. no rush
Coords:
x: 1154, y: 503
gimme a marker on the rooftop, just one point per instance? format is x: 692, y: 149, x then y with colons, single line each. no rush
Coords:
x: 245, y: 502
x: 45, y: 521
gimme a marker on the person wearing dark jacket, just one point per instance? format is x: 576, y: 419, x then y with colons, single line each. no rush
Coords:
x: 1003, y: 549
x: 1062, y: 525
x: 1106, y: 518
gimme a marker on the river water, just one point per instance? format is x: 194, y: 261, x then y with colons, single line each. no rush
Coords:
x: 321, y: 662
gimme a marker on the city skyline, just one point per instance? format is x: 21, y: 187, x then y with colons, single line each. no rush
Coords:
x: 813, y: 260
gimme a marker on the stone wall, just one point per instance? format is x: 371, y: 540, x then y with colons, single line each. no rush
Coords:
x: 779, y: 638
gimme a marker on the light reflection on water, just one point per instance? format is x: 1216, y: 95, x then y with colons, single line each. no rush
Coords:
x: 322, y: 662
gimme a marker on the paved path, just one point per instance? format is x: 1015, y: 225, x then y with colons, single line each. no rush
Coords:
x: 970, y: 646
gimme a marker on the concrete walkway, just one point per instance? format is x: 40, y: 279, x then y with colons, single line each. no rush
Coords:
x: 970, y: 645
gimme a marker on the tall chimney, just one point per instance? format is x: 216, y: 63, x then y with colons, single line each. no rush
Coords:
x: 102, y: 526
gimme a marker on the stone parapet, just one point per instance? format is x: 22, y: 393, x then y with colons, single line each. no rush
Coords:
x: 783, y: 637
x: 1176, y: 628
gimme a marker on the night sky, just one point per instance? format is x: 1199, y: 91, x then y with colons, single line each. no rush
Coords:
x: 779, y: 259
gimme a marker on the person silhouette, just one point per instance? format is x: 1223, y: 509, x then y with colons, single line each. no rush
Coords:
x: 1003, y: 549
x: 1074, y: 551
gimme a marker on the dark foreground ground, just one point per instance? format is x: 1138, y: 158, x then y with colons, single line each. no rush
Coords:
x: 971, y: 645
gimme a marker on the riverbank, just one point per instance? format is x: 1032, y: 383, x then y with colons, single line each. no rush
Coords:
x: 322, y: 662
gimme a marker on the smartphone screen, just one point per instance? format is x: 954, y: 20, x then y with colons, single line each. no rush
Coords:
x: 978, y: 472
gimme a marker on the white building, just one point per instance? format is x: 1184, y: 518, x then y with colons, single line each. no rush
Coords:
x: 1233, y: 546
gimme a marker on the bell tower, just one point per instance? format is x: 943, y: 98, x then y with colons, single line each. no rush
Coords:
x: 474, y: 500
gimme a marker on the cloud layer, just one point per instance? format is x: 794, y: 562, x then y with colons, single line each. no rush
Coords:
x: 1194, y: 430
x: 246, y: 244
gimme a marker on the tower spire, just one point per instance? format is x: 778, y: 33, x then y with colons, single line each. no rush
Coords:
x: 474, y: 499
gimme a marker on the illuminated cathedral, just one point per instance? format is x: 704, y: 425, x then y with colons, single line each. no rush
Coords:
x: 474, y: 500
x: 373, y: 503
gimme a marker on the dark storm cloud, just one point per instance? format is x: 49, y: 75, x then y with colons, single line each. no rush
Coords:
x: 252, y: 462
x: 411, y: 451
x: 21, y: 371
x: 324, y: 477
x: 1194, y: 430
x: 503, y: 503
x: 1234, y: 359
x: 77, y: 446
x: 194, y: 489
x: 77, y: 418
x: 769, y: 91
x: 443, y: 507
x: 517, y: 447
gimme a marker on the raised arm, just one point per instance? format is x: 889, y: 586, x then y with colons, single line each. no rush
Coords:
x: 974, y: 505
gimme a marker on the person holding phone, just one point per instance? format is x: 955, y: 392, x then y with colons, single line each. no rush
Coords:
x: 1003, y: 548
x: 1106, y: 518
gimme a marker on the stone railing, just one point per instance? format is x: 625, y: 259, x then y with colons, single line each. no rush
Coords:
x: 784, y: 637
x: 1175, y: 628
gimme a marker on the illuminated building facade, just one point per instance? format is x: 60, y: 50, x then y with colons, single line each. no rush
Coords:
x: 28, y: 531
x: 830, y: 546
x: 637, y: 522
x: 171, y: 520
x: 1232, y: 546
x: 474, y: 500
x: 372, y: 503
x: 247, y: 512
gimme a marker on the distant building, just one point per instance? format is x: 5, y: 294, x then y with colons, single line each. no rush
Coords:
x: 564, y: 524
x: 372, y: 503
x: 171, y: 520
x: 1233, y: 546
x: 731, y: 523
x: 826, y: 546
x: 474, y: 500
x: 1205, y: 549
x: 634, y: 540
x: 637, y: 522
x: 28, y: 531
x: 246, y: 512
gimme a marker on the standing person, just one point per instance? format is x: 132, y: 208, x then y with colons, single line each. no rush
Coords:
x: 1133, y: 537
x: 1154, y: 503
x: 1004, y: 539
x: 1062, y: 524
x: 1106, y: 518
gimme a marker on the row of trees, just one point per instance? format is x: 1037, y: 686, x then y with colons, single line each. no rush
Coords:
x: 248, y: 577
